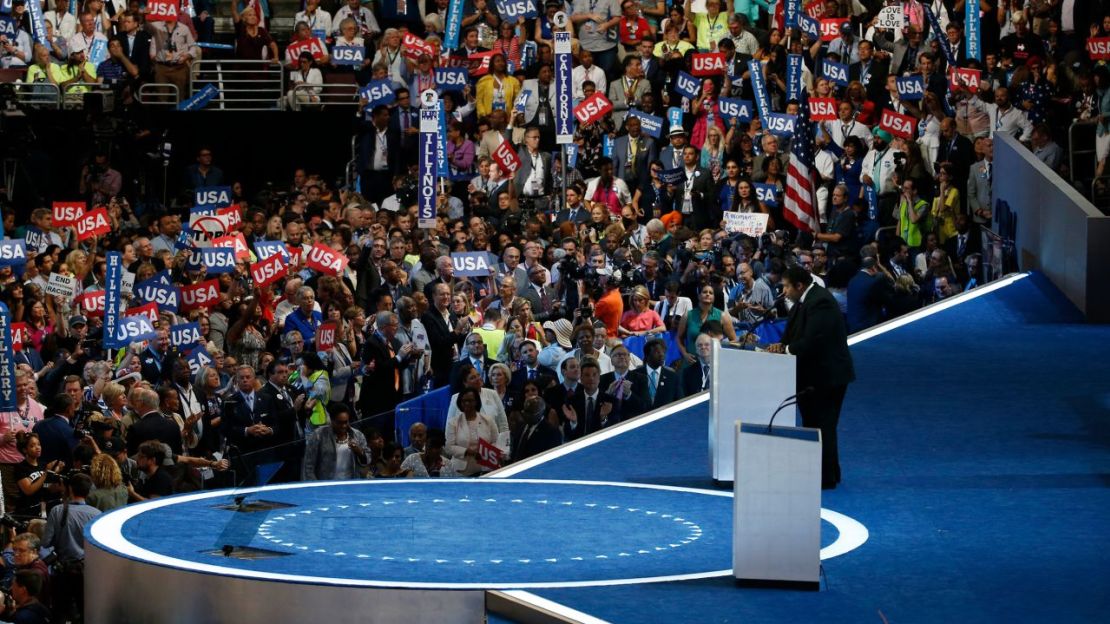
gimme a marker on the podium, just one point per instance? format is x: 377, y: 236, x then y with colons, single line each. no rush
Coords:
x: 746, y: 386
x: 777, y: 507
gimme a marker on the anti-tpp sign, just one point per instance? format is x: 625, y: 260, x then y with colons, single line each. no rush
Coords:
x: 564, y: 101
x: 426, y: 190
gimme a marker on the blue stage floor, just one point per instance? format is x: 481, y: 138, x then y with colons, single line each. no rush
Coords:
x: 974, y: 450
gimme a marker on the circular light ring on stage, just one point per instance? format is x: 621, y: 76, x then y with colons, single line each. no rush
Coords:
x: 445, y: 533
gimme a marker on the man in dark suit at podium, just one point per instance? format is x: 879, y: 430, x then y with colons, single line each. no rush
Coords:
x: 815, y: 334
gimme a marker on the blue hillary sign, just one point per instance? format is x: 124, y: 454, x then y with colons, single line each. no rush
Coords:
x: 790, y: 13
x: 793, y: 76
x: 38, y: 27
x: 674, y: 117
x: 606, y: 146
x: 872, y: 201
x: 98, y: 51
x: 453, y: 25
x: 8, y: 401
x: 113, y: 300
x: 973, y: 31
x: 572, y: 154
x: 442, y: 166
x: 759, y: 87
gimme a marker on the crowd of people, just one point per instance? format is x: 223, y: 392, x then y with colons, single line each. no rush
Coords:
x: 612, y: 264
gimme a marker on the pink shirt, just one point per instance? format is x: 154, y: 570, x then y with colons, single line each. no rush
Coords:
x: 23, y: 420
x: 641, y: 321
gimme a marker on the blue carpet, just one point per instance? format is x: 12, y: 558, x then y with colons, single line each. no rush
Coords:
x: 461, y: 531
x: 974, y: 449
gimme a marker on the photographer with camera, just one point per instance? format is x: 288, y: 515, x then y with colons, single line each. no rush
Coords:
x: 22, y: 605
x: 23, y: 553
x: 65, y: 533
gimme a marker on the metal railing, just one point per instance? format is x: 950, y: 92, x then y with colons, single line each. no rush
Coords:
x: 158, y: 94
x: 352, y: 164
x: 1081, y: 142
x: 243, y: 85
x: 307, y: 96
x: 38, y: 94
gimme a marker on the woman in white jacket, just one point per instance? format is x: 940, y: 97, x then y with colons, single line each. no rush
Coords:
x: 466, y: 428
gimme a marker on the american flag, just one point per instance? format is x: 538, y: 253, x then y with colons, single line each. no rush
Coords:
x: 800, y: 203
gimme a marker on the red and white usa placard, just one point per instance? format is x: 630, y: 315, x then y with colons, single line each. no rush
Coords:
x: 479, y: 63
x: 95, y: 223
x: 505, y: 157
x: 161, y: 10
x: 67, y: 213
x: 815, y: 8
x: 1098, y: 48
x: 822, y: 109
x: 269, y: 270
x: 326, y: 260
x: 203, y: 295
x: 708, y: 64
x: 148, y: 310
x: 830, y: 27
x: 489, y: 455
x: 233, y: 214
x: 961, y: 77
x: 592, y: 108
x: 313, y: 46
x: 18, y: 331
x: 897, y: 124
x: 414, y: 47
x: 325, y: 336
x: 92, y: 303
x: 234, y: 241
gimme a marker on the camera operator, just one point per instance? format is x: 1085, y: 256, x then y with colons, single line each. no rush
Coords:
x: 99, y: 180
x: 650, y: 275
x: 22, y: 606
x: 65, y: 532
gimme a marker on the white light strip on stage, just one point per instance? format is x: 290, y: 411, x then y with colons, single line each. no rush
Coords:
x: 935, y: 308
x: 544, y: 604
x: 601, y: 436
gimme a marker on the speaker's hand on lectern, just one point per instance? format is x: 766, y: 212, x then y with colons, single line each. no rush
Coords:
x: 778, y: 347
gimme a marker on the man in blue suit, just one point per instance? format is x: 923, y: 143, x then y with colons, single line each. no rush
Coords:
x: 868, y: 293
x: 56, y: 433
